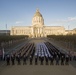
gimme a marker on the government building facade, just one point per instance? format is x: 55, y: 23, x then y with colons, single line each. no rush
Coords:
x: 38, y: 29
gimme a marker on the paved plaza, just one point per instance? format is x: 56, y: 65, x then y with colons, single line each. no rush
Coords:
x: 38, y: 69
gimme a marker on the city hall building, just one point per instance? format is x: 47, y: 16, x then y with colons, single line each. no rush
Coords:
x: 38, y: 29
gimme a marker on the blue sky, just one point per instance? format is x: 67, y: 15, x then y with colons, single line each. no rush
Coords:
x: 20, y: 12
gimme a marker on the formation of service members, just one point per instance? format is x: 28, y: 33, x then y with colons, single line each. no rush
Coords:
x: 64, y: 60
x: 45, y: 53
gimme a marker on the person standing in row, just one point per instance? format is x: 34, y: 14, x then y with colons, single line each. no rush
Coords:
x: 13, y: 59
x: 36, y: 60
x: 42, y: 59
x: 24, y: 59
x: 18, y: 59
x: 8, y: 59
x: 67, y: 60
x: 30, y: 60
x: 62, y: 60
x: 51, y: 60
x: 46, y: 59
x: 57, y: 60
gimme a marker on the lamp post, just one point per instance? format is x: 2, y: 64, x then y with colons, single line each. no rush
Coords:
x: 68, y: 28
x: 6, y: 29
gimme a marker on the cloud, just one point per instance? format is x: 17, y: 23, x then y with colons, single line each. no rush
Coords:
x: 19, y: 22
x: 71, y: 18
x: 62, y: 21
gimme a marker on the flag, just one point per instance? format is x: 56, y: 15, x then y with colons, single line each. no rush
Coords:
x: 3, y: 53
x: 0, y: 52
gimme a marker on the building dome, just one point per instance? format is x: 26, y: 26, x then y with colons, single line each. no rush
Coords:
x: 37, y: 18
x: 37, y: 13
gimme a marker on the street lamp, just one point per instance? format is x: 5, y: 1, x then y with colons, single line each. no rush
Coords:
x: 68, y: 28
x: 6, y: 29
